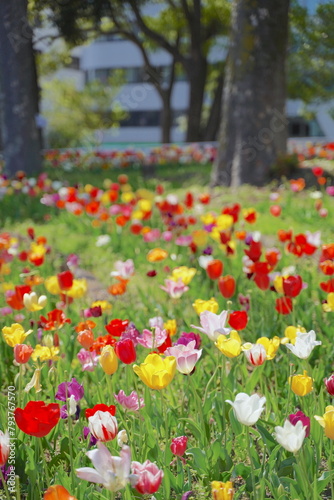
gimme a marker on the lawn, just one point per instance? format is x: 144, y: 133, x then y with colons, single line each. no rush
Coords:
x: 214, y: 306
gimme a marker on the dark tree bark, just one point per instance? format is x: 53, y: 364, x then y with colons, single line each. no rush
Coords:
x: 212, y: 126
x: 19, y: 89
x: 254, y: 128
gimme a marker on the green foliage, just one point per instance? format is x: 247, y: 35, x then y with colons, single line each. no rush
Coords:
x: 75, y: 114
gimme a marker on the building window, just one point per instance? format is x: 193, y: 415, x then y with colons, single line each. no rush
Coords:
x: 142, y: 119
x: 299, y: 127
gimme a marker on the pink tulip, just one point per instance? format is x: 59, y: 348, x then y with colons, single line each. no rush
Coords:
x: 149, y: 477
x: 213, y: 324
x: 124, y: 269
x: 186, y: 356
x: 88, y: 360
x: 152, y: 340
x: 131, y: 402
x: 175, y: 289
x: 103, y: 426
x: 179, y: 445
x: 112, y: 472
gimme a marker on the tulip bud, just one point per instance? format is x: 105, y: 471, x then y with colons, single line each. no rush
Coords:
x: 179, y: 446
x: 301, y: 385
x: 122, y: 438
x: 108, y: 360
x: 226, y: 285
x: 125, y: 351
x: 85, y: 338
x: 103, y: 426
x: 329, y: 382
x: 4, y: 447
x: 35, y: 382
x: 22, y: 353
x: 65, y: 280
x: 214, y: 269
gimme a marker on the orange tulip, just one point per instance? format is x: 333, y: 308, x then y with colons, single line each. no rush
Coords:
x: 156, y: 255
x: 118, y: 288
x: 57, y: 492
x: 214, y: 269
x: 226, y: 285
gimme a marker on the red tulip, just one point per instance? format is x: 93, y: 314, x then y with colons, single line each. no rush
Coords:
x: 329, y: 382
x: 100, y: 407
x: 65, y: 280
x: 284, y: 305
x: 292, y: 286
x: 214, y: 269
x: 125, y: 351
x: 317, y: 171
x: 238, y: 320
x: 179, y: 445
x: 226, y: 285
x: 275, y: 210
x: 327, y: 286
x: 37, y: 418
x: 22, y: 353
x: 116, y: 327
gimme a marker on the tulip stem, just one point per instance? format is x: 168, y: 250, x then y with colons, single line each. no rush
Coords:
x: 222, y: 387
x: 44, y: 461
x: 251, y: 462
x: 70, y: 444
x: 331, y: 467
x: 4, y: 484
x: 199, y: 408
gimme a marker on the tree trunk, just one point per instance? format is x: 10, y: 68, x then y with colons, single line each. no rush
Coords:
x: 166, y: 120
x: 254, y: 129
x: 197, y: 74
x: 213, y: 123
x: 19, y: 89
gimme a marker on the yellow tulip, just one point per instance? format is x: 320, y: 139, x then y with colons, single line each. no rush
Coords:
x: 44, y: 353
x: 327, y: 421
x: 104, y: 304
x: 108, y: 360
x: 222, y: 491
x: 230, y: 346
x: 278, y: 284
x: 271, y: 346
x: 290, y: 334
x: 171, y: 327
x: 156, y: 372
x: 78, y: 289
x: 15, y: 334
x: 200, y: 237
x: 329, y: 305
x: 52, y: 285
x: 184, y: 273
x: 301, y: 384
x: 205, y: 305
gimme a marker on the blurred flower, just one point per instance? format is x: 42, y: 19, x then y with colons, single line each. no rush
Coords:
x: 102, y: 240
x: 65, y: 280
x: 156, y: 255
x: 156, y: 321
x: 149, y: 477
x: 204, y: 261
x: 328, y: 306
x: 212, y: 324
x: 214, y: 269
x: 291, y: 436
x: 271, y: 346
x: 188, y: 337
x: 56, y: 319
x: 222, y: 491
x: 112, y: 472
x: 22, y: 353
x: 88, y: 359
x: 122, y: 438
x: 304, y: 345
x: 247, y: 409
x: 123, y: 269
x: 301, y: 384
x: 131, y: 402
x: 226, y: 285
x: 32, y: 303
x: 183, y: 273
x: 4, y: 447
x: 205, y: 305
x: 15, y: 334
x: 170, y: 326
x: 327, y: 421
x: 329, y: 382
x: 57, y: 492
x: 156, y: 372
x: 175, y: 289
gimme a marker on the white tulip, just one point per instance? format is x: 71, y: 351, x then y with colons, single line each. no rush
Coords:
x: 213, y: 324
x: 291, y: 436
x: 247, y: 409
x: 304, y: 344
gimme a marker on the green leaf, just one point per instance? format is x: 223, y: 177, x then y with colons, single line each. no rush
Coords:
x: 200, y: 460
x: 323, y: 481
